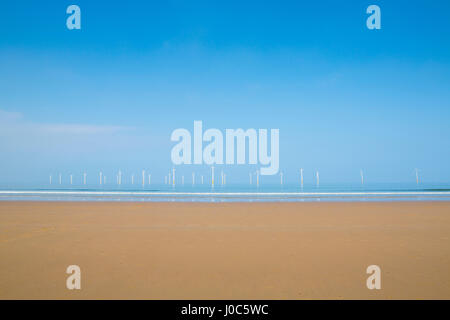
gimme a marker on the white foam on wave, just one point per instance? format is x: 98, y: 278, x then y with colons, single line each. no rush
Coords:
x: 218, y: 194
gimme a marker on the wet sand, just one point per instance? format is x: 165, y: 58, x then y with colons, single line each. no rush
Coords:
x: 224, y: 250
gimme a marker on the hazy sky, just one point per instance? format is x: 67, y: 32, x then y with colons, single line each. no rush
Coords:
x: 108, y: 96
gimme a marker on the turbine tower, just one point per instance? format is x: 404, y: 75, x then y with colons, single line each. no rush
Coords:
x: 60, y: 179
x: 71, y: 179
x: 362, y: 176
x: 132, y: 179
x: 317, y: 178
x: 301, y: 177
x: 119, y: 176
x: 84, y: 177
x: 149, y: 179
x: 101, y: 178
x: 257, y: 178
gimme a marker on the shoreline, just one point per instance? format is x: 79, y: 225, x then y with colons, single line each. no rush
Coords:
x: 221, y: 196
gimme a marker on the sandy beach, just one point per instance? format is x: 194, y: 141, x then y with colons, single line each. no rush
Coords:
x: 224, y: 250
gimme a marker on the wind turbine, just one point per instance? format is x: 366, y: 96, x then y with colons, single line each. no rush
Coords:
x: 301, y: 177
x: 101, y: 178
x: 317, y: 178
x: 362, y: 176
x: 257, y: 178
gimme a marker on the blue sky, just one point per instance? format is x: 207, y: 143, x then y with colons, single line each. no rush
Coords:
x: 109, y: 95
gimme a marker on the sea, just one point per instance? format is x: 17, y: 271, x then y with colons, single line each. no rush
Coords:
x: 232, y: 193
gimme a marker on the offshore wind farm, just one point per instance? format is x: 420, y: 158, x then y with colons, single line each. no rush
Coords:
x: 173, y: 188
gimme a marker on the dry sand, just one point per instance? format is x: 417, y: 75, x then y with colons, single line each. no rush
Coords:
x: 224, y: 250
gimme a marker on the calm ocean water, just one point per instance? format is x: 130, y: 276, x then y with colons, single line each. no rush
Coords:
x: 232, y: 193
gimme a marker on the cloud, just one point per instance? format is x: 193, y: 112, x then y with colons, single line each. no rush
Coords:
x: 81, y: 129
x: 15, y: 122
x: 7, y: 116
x: 19, y: 136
